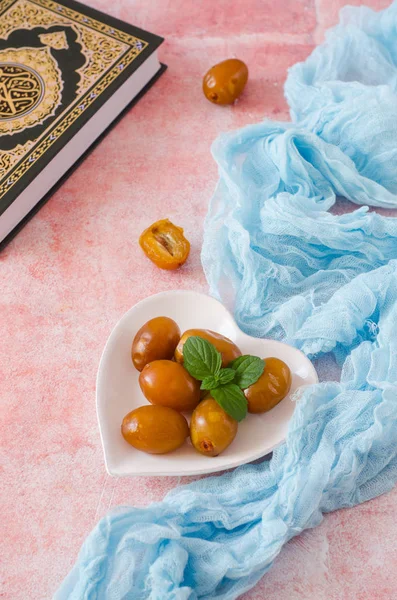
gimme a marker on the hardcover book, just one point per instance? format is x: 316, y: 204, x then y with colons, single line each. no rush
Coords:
x: 67, y: 72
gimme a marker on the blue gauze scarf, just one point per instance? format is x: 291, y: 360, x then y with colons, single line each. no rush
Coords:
x: 322, y: 282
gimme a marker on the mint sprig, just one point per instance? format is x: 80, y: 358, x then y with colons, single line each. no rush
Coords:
x: 232, y: 400
x: 201, y: 358
x: 247, y: 370
x: 213, y: 381
x: 226, y: 376
x: 203, y: 361
x: 209, y: 383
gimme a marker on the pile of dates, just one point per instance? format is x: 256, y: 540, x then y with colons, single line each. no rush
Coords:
x: 161, y: 426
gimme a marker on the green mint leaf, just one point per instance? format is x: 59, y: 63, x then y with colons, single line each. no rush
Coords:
x: 213, y: 381
x: 248, y: 370
x: 210, y: 382
x: 226, y: 376
x: 232, y: 400
x: 201, y: 358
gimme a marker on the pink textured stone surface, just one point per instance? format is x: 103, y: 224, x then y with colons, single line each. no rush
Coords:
x: 328, y: 12
x: 76, y: 268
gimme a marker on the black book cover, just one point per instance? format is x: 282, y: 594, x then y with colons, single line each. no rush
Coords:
x: 59, y: 63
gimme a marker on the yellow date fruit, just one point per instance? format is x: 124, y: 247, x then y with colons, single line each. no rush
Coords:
x: 169, y: 384
x: 156, y: 340
x: 272, y: 386
x: 225, y: 82
x: 226, y: 347
x: 155, y: 429
x: 212, y: 430
x: 165, y: 245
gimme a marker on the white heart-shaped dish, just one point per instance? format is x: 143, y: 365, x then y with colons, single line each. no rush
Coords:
x: 118, y: 390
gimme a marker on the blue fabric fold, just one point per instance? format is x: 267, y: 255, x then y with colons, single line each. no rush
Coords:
x: 323, y: 282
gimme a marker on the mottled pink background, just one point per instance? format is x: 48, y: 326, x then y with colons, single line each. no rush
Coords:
x: 76, y: 268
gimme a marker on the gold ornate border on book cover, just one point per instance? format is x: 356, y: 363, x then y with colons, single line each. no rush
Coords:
x: 31, y: 82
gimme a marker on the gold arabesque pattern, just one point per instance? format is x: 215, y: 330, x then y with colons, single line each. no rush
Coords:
x: 108, y: 51
x: 56, y: 40
x: 30, y: 88
x: 8, y: 159
x: 20, y: 90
